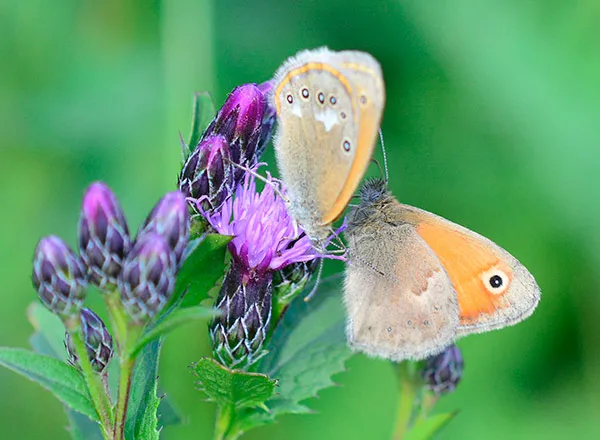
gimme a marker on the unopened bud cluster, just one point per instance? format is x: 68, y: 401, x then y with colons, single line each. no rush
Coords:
x: 143, y: 270
x: 232, y: 142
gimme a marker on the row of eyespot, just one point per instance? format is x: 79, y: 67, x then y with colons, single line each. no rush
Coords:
x: 321, y: 97
x: 306, y: 94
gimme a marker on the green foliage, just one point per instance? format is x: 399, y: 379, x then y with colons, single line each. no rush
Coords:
x: 233, y: 388
x: 48, y: 339
x: 171, y: 322
x: 428, y: 428
x: 141, y: 419
x: 307, y: 348
x: 202, y: 268
x: 49, y: 335
x: 237, y: 393
x: 61, y: 379
x: 82, y: 428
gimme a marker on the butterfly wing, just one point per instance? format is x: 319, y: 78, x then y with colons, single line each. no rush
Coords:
x: 493, y: 288
x: 326, y: 133
x: 400, y: 302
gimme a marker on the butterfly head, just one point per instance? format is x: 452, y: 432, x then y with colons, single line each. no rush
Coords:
x: 374, y: 195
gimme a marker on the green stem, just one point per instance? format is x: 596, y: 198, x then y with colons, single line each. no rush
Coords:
x: 408, y: 387
x: 428, y: 402
x: 224, y: 415
x: 126, y: 333
x: 125, y: 372
x: 93, y: 380
x: 117, y: 317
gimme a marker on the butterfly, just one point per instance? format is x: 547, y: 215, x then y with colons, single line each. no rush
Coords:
x: 416, y: 282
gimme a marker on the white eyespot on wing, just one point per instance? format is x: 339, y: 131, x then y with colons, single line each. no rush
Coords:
x: 328, y: 117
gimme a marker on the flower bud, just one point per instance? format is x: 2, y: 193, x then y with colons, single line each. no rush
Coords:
x: 291, y: 279
x: 171, y: 219
x: 98, y: 341
x: 245, y: 303
x: 268, y: 121
x: 207, y: 175
x: 103, y: 235
x: 59, y: 277
x: 148, y: 277
x: 443, y: 372
x: 240, y: 121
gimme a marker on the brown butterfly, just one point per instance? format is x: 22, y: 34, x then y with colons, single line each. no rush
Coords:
x: 329, y: 107
x: 415, y: 282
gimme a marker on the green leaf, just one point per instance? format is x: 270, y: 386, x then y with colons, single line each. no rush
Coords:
x: 49, y: 335
x: 203, y: 267
x: 428, y: 428
x: 233, y: 388
x: 48, y: 340
x: 82, y: 428
x: 307, y: 348
x: 171, y: 322
x: 167, y: 414
x: 62, y: 380
x: 203, y: 113
x: 141, y: 421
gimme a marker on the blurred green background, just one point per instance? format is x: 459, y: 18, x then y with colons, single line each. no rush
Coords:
x: 492, y: 120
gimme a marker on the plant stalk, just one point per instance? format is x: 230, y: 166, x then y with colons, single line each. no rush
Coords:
x: 93, y: 380
x: 125, y: 372
x: 408, y: 387
x: 224, y: 415
x: 117, y: 317
x: 126, y: 366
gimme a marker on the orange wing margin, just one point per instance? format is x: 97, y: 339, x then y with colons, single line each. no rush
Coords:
x: 465, y: 259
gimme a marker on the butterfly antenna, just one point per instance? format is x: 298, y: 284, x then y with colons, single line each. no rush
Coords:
x: 261, y: 178
x: 378, y: 166
x: 312, y: 292
x: 385, y: 165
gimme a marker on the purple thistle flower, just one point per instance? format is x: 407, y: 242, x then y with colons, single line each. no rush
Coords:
x: 59, y: 277
x: 103, y: 235
x: 148, y: 277
x: 97, y: 339
x: 170, y: 218
x: 265, y: 235
x: 443, y: 372
x: 266, y: 240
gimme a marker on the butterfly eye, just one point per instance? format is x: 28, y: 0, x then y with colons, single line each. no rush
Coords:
x: 290, y: 98
x: 495, y: 281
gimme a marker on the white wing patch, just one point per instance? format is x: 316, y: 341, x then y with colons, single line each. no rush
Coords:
x: 296, y: 110
x: 328, y: 117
